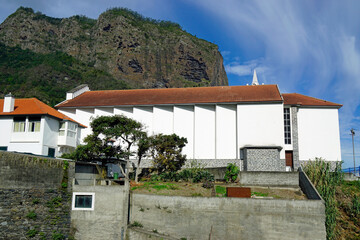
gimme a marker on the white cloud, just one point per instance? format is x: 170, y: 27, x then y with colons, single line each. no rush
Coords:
x: 310, y: 47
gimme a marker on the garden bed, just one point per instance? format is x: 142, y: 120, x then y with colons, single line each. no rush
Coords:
x: 189, y: 189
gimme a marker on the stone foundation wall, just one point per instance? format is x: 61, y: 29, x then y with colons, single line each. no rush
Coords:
x: 205, y: 163
x: 35, y: 196
x: 27, y: 213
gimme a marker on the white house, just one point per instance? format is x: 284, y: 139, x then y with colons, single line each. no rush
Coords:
x: 255, y: 126
x: 31, y: 126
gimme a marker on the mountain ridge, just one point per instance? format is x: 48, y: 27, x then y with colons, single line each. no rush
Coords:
x: 137, y: 51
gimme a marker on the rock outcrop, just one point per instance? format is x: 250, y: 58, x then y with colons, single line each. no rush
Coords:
x: 144, y: 53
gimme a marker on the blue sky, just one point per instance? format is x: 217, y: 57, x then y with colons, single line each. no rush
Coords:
x: 309, y: 47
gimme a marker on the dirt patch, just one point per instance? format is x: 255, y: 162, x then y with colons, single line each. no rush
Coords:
x: 187, y: 189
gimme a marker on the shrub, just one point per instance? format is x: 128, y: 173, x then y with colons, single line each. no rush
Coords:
x: 202, y: 176
x: 325, y: 181
x: 356, y: 205
x: 232, y: 172
x: 136, y: 224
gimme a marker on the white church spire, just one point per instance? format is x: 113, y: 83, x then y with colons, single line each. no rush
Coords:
x: 255, y: 80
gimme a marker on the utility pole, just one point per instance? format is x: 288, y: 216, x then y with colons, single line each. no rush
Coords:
x: 352, y: 135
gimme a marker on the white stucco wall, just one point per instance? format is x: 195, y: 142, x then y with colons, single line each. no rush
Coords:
x: 50, y: 134
x: 126, y: 111
x: 163, y: 120
x: 70, y: 112
x: 6, y: 129
x: 103, y: 111
x: 83, y: 116
x: 226, y: 131
x: 319, y: 134
x: 261, y: 125
x: 204, y: 147
x: 184, y: 127
x: 145, y: 116
x: 29, y: 142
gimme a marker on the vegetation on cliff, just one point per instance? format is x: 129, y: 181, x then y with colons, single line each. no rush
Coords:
x: 48, y: 76
x: 121, y: 45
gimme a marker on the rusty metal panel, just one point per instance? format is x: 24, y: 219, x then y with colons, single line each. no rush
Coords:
x: 239, y: 192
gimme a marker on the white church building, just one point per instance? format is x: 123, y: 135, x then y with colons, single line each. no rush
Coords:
x: 254, y: 126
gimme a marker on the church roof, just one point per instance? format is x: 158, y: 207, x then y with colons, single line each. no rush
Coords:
x: 223, y: 94
x: 302, y: 100
x: 33, y: 106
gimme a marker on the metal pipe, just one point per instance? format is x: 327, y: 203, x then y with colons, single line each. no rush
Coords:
x: 352, y: 135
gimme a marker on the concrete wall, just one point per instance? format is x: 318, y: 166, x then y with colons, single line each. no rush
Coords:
x: 214, y: 131
x: 50, y: 135
x: 319, y: 134
x: 226, y: 131
x: 204, y: 147
x: 108, y: 220
x: 229, y: 218
x: 163, y: 120
x: 32, y: 184
x: 273, y: 179
x: 260, y: 125
x: 184, y: 126
x: 6, y: 129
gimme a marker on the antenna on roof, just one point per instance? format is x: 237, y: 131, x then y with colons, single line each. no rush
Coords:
x: 255, y: 80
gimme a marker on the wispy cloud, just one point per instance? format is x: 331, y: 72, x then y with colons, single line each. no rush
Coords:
x: 310, y: 47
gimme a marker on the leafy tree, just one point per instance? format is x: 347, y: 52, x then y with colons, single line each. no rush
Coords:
x: 112, y: 140
x: 143, y: 147
x: 166, y: 152
x: 232, y: 172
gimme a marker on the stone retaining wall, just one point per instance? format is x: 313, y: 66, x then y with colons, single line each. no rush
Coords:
x: 35, y: 196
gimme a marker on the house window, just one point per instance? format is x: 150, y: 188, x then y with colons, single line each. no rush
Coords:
x: 19, y: 124
x: 83, y: 201
x: 71, y: 130
x: 287, y: 129
x: 62, y: 129
x: 3, y: 148
x: 34, y: 124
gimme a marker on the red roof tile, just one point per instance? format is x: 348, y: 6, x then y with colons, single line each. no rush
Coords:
x: 225, y: 94
x: 302, y: 100
x: 33, y: 106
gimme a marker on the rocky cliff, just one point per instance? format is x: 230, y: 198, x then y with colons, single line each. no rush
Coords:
x: 143, y: 52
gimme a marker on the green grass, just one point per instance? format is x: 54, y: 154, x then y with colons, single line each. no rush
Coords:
x: 220, y: 191
x: 157, y: 185
x: 259, y: 194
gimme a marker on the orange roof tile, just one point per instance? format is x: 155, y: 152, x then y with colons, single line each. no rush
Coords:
x: 33, y: 106
x: 224, y: 94
x: 302, y: 100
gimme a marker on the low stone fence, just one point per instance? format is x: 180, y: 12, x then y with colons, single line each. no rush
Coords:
x: 269, y: 179
x: 229, y: 218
